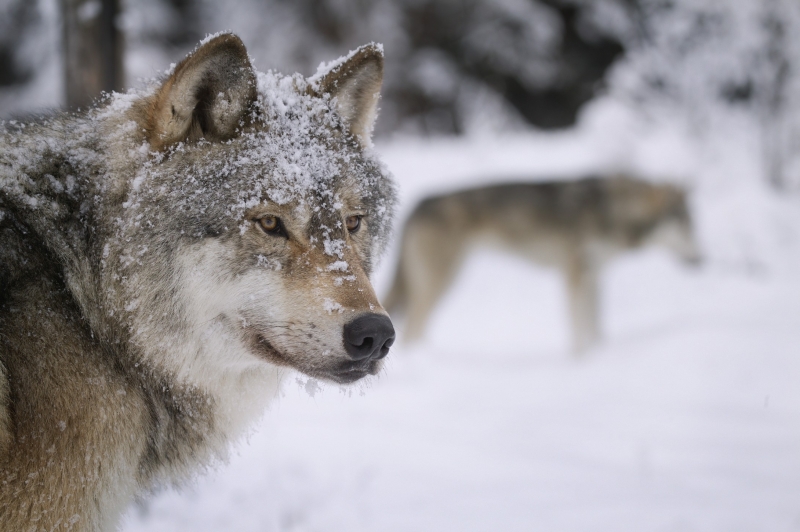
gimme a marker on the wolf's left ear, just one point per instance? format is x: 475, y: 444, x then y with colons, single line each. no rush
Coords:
x: 355, y: 83
x: 206, y: 96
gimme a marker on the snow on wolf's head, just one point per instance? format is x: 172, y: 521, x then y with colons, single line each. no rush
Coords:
x: 253, y: 216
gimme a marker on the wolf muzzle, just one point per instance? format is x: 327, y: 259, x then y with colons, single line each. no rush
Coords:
x: 369, y: 337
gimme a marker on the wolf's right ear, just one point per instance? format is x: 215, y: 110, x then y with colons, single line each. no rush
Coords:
x: 355, y: 83
x: 206, y: 96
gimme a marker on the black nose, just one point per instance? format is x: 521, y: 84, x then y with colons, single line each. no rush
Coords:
x: 369, y: 336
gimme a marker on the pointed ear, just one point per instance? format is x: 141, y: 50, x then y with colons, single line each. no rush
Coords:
x: 355, y: 83
x: 206, y: 96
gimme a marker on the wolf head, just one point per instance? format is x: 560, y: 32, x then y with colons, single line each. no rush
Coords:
x: 250, y: 217
x: 658, y: 215
x: 675, y: 230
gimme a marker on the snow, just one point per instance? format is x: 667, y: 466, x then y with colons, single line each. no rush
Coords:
x: 326, y: 67
x: 339, y: 265
x: 679, y: 423
x: 330, y: 306
x: 211, y: 36
x: 687, y: 417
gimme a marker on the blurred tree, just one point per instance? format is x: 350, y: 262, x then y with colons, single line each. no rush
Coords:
x: 451, y: 64
x: 545, y: 58
x: 93, y: 50
x: 776, y: 125
x: 711, y: 62
x: 536, y: 61
x: 15, y: 19
x: 171, y: 26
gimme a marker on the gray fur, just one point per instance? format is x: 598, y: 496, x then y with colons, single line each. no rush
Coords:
x: 575, y: 226
x: 113, y: 381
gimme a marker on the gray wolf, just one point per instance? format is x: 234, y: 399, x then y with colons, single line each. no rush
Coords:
x: 575, y: 226
x: 165, y: 257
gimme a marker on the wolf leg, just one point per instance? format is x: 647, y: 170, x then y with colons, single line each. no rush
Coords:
x: 396, y: 299
x: 583, y: 303
x: 430, y: 259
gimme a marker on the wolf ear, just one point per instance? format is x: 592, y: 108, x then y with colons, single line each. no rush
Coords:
x: 206, y: 96
x: 355, y: 83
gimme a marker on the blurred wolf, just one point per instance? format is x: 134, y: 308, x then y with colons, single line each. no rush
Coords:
x: 164, y: 258
x: 574, y: 226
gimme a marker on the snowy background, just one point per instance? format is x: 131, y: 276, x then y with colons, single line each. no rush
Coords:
x: 687, y: 417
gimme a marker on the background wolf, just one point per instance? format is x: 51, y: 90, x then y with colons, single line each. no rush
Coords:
x: 163, y: 256
x: 574, y: 226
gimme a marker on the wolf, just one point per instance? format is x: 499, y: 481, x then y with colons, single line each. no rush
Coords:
x: 166, y: 258
x: 575, y: 226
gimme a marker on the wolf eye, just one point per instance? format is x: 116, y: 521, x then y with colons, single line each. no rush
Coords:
x: 272, y: 225
x: 353, y: 223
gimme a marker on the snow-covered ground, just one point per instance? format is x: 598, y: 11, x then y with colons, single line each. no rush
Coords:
x: 686, y: 419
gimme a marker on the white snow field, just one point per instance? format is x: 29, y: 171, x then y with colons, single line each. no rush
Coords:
x: 686, y: 419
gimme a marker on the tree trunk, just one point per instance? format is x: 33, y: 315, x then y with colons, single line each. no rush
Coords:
x: 93, y: 55
x: 774, y: 120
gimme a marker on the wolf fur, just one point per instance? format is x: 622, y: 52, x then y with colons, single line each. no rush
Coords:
x: 575, y: 226
x: 146, y: 315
